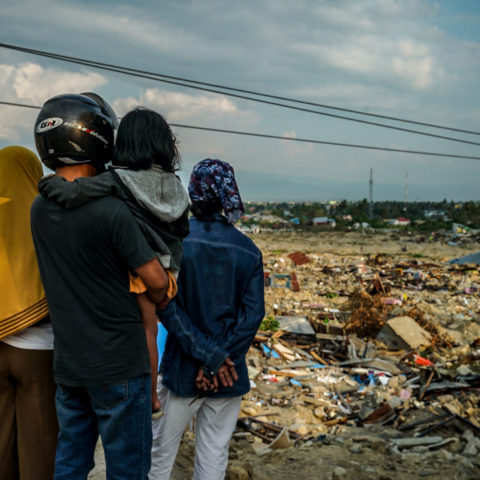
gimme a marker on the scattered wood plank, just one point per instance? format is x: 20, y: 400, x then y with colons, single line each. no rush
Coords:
x: 284, y: 352
x: 318, y: 358
x: 424, y: 387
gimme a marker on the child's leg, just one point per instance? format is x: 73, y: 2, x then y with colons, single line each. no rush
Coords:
x: 149, y: 317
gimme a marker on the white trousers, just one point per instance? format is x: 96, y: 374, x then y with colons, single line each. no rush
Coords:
x: 215, y: 421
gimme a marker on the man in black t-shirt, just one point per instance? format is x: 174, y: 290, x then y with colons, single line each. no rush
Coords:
x: 101, y: 362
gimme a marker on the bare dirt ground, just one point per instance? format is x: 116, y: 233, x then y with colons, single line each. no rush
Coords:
x: 360, y: 244
x: 345, y: 452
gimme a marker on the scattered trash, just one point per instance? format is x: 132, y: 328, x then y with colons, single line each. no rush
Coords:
x: 299, y: 258
x: 367, y: 344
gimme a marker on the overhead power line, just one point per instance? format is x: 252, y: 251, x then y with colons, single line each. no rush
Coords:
x: 291, y: 139
x: 224, y: 87
x: 194, y: 85
x: 13, y: 104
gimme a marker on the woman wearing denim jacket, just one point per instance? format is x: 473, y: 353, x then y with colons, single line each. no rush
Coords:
x: 211, y: 325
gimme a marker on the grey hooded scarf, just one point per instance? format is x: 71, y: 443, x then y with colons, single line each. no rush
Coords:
x: 156, y: 198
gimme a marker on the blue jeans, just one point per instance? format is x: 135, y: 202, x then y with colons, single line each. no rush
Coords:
x: 120, y: 413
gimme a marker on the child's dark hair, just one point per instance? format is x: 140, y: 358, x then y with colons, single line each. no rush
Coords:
x: 144, y: 139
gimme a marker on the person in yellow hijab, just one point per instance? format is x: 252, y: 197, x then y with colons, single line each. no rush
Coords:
x: 27, y: 389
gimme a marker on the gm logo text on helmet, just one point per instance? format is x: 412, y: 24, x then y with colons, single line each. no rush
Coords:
x: 48, y: 124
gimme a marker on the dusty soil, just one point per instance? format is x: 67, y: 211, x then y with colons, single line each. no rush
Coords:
x: 355, y: 243
x: 344, y: 451
x: 364, y: 456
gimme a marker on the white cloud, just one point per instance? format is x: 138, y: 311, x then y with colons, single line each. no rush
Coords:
x: 414, y: 63
x: 357, y: 96
x: 124, y: 25
x: 298, y: 150
x: 180, y: 106
x: 32, y: 84
x: 290, y: 134
x: 204, y: 110
x: 406, y: 61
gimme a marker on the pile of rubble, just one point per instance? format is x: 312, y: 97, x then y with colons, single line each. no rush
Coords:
x: 356, y: 347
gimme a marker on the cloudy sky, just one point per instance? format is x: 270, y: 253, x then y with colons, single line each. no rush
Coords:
x: 412, y: 59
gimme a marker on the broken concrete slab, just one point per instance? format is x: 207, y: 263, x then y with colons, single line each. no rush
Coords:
x: 403, y: 333
x: 415, y: 442
x: 282, y: 440
x: 299, y: 325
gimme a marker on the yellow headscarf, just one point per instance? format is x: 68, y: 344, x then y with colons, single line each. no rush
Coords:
x: 22, y: 299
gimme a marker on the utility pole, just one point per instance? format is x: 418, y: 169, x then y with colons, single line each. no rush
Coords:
x: 370, y: 206
x: 406, y: 187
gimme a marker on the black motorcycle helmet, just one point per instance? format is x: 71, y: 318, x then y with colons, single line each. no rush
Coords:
x: 72, y: 129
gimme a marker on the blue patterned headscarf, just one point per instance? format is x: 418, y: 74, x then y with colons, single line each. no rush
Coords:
x: 215, y: 180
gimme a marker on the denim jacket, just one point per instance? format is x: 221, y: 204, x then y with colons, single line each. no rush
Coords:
x: 218, y: 308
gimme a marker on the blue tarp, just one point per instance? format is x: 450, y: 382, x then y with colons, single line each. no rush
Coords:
x: 472, y: 258
x: 161, y: 339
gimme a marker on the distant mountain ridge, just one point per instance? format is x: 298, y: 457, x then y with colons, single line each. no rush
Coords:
x: 274, y: 187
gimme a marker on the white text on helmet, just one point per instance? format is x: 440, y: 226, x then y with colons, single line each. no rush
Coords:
x: 87, y: 130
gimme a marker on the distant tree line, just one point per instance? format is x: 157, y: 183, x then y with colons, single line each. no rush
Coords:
x: 423, y: 215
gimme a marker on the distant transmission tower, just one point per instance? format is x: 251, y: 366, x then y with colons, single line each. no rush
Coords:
x: 406, y: 187
x: 370, y: 206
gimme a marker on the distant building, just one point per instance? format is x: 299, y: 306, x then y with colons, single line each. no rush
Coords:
x: 319, y: 221
x: 434, y: 213
x: 400, y: 221
x: 361, y: 225
x: 459, y: 228
x: 250, y: 229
